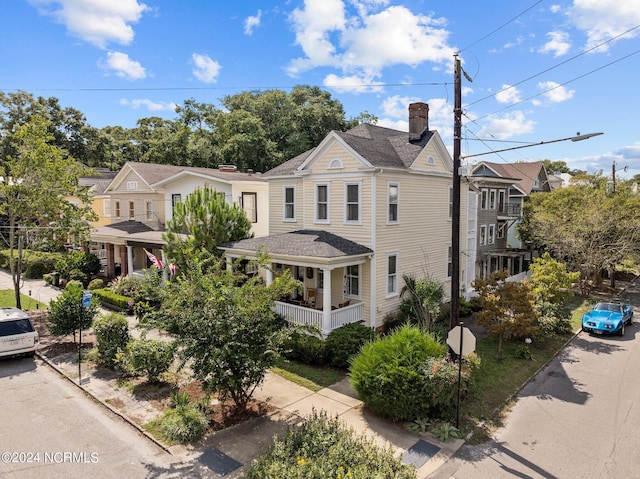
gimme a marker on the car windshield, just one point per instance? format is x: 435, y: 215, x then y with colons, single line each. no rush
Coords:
x: 15, y: 326
x: 616, y: 308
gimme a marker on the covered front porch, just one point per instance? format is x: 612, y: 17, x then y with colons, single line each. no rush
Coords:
x: 332, y: 271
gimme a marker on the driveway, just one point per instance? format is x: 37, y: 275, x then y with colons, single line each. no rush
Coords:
x: 578, y: 418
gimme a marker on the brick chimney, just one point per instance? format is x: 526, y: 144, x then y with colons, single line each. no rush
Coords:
x: 418, y: 120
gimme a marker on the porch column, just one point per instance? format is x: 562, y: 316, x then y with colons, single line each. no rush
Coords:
x: 326, y: 302
x: 268, y: 276
x: 165, y: 274
x: 130, y: 261
x: 111, y: 269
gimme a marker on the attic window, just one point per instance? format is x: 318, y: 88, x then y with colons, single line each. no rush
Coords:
x: 431, y: 161
x: 132, y: 185
x: 335, y: 164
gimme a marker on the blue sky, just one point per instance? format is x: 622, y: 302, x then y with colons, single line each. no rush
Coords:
x: 540, y: 70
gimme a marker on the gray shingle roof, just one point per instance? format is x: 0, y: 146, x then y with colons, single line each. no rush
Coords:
x: 310, y: 243
x: 153, y: 173
x: 130, y: 227
x: 380, y: 146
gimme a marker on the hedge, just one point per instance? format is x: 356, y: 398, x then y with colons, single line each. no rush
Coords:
x: 106, y: 296
x: 34, y: 263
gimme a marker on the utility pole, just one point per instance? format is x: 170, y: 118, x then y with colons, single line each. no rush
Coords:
x: 455, y: 210
x: 613, y: 175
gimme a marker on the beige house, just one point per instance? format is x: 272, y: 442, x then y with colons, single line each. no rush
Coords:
x: 350, y: 217
x: 139, y: 200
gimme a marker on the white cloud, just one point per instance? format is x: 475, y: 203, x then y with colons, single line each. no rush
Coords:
x: 558, y: 44
x: 96, y: 21
x: 511, y: 124
x: 252, y: 22
x: 362, y: 83
x: 508, y: 94
x: 363, y: 42
x: 396, y: 114
x: 149, y: 104
x: 554, y: 92
x: 123, y: 66
x: 206, y: 69
x: 602, y: 19
x: 555, y: 8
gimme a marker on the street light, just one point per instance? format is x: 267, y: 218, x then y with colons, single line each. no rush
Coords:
x: 578, y: 137
x: 455, y: 213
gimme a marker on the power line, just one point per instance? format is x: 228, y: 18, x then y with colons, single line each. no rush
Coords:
x: 558, y: 86
x: 502, y: 26
x: 555, y: 66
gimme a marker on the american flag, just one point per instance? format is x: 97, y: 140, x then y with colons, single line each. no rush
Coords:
x: 154, y: 260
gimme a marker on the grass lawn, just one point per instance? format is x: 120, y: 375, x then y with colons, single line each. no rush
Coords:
x: 314, y: 378
x: 8, y: 299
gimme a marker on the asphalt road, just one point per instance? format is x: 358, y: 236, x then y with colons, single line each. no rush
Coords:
x: 50, y: 429
x: 578, y: 418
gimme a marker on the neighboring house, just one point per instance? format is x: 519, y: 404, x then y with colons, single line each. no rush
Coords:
x: 352, y: 216
x: 503, y: 188
x: 139, y: 201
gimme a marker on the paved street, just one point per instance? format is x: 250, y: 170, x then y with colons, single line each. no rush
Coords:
x: 578, y: 418
x: 56, y: 431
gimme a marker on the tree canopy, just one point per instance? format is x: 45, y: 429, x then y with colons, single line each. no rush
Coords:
x: 201, y: 222
x: 42, y: 202
x: 584, y: 225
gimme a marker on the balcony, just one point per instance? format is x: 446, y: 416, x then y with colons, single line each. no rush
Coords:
x: 305, y: 315
x: 509, y: 210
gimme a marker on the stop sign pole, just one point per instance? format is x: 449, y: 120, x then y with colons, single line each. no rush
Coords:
x: 458, y: 347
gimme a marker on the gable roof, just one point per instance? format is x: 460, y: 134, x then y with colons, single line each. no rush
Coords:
x: 381, y: 147
x: 156, y: 175
x: 308, y: 243
x: 528, y: 172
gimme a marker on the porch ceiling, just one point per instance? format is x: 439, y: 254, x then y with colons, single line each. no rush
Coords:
x: 312, y: 247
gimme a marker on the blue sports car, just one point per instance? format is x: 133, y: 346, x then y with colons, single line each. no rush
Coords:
x: 609, y: 318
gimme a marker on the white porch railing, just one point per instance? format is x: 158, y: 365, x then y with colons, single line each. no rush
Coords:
x: 307, y: 316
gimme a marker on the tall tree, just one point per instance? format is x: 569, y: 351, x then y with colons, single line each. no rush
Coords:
x: 584, y: 225
x: 224, y: 325
x: 201, y: 222
x: 36, y: 192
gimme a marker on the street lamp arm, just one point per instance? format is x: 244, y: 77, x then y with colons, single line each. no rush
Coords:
x: 528, y: 145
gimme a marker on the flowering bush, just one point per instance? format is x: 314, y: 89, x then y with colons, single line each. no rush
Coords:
x: 321, y: 447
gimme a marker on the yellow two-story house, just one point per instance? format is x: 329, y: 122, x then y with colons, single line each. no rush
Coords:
x: 354, y: 215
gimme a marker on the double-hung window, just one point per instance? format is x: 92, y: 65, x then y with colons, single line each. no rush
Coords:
x: 132, y: 210
x: 352, y: 281
x: 322, y: 203
x: 492, y: 234
x: 249, y: 205
x: 392, y: 274
x: 483, y: 234
x: 449, y: 261
x: 393, y: 202
x: 149, y: 210
x: 289, y: 203
x: 352, y: 202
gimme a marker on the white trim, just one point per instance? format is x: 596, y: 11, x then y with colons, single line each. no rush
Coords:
x: 284, y: 203
x: 106, y: 207
x: 346, y: 189
x: 316, y: 203
x: 335, y: 164
x: 397, y: 203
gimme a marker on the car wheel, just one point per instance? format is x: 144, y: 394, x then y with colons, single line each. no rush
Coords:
x: 621, y: 332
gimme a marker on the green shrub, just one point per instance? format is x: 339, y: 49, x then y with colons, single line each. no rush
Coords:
x: 112, y: 336
x: 66, y: 313
x: 106, y: 296
x: 344, y: 343
x: 305, y: 348
x: 553, y: 319
x: 77, y: 275
x: 34, y: 263
x: 96, y: 284
x: 322, y: 447
x: 393, y: 320
x: 87, y: 263
x: 387, y: 373
x: 149, y: 357
x: 47, y: 278
x: 181, y: 425
x: 125, y: 286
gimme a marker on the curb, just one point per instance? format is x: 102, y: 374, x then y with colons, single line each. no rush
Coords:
x: 106, y: 405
